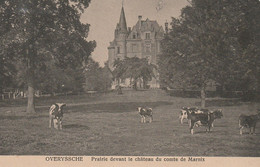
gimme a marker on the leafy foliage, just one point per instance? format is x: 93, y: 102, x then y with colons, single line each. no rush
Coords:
x: 205, y: 44
x: 44, y: 38
x: 134, y: 68
x: 97, y: 78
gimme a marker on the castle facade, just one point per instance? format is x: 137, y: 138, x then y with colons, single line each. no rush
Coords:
x: 142, y: 41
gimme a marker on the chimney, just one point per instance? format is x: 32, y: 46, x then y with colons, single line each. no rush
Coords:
x: 139, y: 21
x: 166, y: 27
x: 129, y: 29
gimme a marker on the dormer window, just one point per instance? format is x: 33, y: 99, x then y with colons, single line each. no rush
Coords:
x: 147, y: 35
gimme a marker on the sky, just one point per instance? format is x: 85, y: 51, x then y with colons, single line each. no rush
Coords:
x: 103, y: 15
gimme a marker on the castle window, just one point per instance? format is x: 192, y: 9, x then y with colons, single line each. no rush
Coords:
x: 147, y: 36
x: 118, y: 49
x: 134, y: 48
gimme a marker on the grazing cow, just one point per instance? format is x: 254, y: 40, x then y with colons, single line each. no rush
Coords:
x: 145, y: 112
x: 204, y: 110
x: 184, y: 113
x: 55, y: 115
x: 248, y: 121
x: 203, y: 119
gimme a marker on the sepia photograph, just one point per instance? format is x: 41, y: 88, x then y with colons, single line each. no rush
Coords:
x: 110, y: 79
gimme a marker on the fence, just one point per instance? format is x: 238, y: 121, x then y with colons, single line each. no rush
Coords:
x: 16, y: 93
x: 12, y: 94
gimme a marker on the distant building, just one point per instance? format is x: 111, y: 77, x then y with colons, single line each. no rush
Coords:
x: 142, y: 41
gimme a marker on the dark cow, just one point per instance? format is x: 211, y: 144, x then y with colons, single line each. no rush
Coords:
x: 145, y: 112
x: 204, y: 119
x: 56, y: 115
x: 248, y: 121
x: 205, y: 110
x: 184, y: 112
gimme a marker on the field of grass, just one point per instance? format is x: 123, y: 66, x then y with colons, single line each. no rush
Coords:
x: 109, y: 124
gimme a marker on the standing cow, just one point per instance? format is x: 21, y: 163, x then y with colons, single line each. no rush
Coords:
x: 145, y: 113
x: 204, y: 119
x: 56, y: 115
x: 248, y: 121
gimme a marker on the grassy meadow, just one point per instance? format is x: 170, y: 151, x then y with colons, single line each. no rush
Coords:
x: 108, y: 124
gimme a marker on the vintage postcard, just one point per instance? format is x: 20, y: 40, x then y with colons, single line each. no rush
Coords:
x: 129, y: 83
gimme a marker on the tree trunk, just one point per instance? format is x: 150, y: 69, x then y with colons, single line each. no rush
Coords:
x: 31, y: 84
x: 203, y: 96
x: 30, y: 105
x: 135, y: 84
x: 144, y: 83
x: 118, y: 82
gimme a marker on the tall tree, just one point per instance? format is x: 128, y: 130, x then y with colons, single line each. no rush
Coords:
x: 39, y: 31
x: 203, y: 45
x: 249, y: 40
x: 119, y: 70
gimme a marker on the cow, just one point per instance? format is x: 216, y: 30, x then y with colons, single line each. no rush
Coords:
x: 184, y: 113
x: 56, y: 115
x: 203, y: 119
x: 145, y: 113
x: 248, y: 121
x: 204, y: 110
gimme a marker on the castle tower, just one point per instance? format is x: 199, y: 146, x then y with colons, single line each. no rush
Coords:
x: 117, y: 48
x: 121, y: 35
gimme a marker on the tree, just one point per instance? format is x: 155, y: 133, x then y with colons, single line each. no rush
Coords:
x: 249, y: 40
x: 97, y: 78
x: 203, y: 45
x: 37, y: 32
x: 120, y: 67
x: 139, y: 69
x: 52, y: 78
x: 7, y: 71
x: 135, y: 69
x: 107, y: 77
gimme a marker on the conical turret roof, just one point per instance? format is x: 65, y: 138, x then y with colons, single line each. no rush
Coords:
x: 122, y: 21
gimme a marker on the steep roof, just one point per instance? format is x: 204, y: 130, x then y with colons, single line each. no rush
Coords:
x: 122, y: 21
x: 148, y: 25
